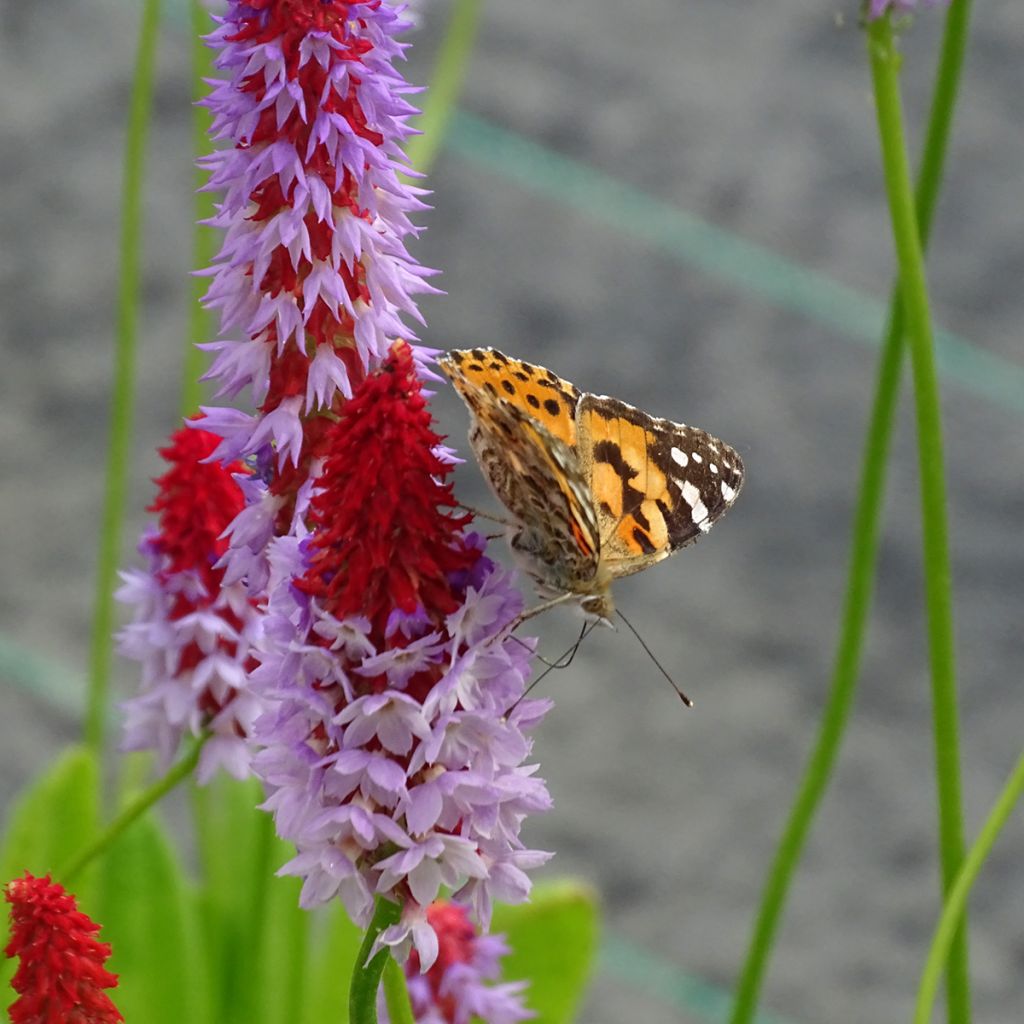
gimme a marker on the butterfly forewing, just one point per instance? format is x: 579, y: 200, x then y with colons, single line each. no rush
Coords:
x: 540, y: 394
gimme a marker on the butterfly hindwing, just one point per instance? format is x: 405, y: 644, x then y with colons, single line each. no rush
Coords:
x: 657, y: 485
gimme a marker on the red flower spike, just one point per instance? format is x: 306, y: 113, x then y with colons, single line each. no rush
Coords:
x: 60, y: 977
x: 196, y: 501
x: 381, y: 541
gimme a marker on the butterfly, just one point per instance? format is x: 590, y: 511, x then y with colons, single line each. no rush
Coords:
x: 597, y: 489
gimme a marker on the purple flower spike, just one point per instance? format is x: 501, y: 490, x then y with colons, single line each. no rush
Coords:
x: 395, y: 745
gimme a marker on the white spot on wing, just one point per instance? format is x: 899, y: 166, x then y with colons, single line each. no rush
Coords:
x: 727, y: 492
x: 696, y: 457
x: 680, y: 458
x: 698, y: 510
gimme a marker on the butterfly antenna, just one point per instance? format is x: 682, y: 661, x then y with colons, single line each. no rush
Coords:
x: 682, y: 696
x: 558, y: 663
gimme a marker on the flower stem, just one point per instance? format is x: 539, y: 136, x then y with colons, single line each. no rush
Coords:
x: 445, y: 84
x: 123, y: 399
x: 362, y: 997
x: 204, y: 239
x: 864, y: 542
x: 396, y: 994
x: 956, y: 899
x: 885, y: 61
x: 134, y: 810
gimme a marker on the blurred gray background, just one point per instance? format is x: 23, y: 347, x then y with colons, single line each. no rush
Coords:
x: 679, y: 204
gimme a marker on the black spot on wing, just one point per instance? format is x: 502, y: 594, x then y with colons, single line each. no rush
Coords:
x: 609, y: 451
x: 508, y: 386
x: 643, y: 540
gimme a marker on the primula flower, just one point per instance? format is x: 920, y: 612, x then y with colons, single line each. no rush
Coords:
x: 393, y: 744
x: 876, y: 8
x: 459, y: 987
x: 393, y: 756
x: 191, y: 632
x: 313, y: 274
x: 60, y: 977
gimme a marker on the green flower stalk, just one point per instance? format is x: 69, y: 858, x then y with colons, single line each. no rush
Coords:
x: 885, y: 62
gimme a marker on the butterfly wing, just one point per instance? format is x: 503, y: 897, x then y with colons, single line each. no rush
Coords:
x: 530, y: 459
x: 657, y: 486
x: 540, y: 394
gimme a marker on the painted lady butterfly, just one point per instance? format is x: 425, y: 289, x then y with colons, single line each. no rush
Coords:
x: 598, y: 489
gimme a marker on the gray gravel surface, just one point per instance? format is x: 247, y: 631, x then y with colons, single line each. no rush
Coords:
x: 757, y: 119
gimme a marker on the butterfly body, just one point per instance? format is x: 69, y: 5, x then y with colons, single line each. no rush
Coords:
x: 597, y: 488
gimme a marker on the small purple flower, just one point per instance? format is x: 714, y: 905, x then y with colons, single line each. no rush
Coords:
x: 462, y: 985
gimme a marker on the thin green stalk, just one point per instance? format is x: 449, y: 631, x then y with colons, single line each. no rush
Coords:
x: 123, y: 399
x: 445, y: 84
x: 362, y: 996
x: 885, y: 62
x: 204, y: 239
x: 956, y: 900
x: 396, y: 994
x: 863, y: 556
x: 142, y: 803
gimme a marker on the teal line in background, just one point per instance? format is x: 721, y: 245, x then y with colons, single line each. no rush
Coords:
x: 42, y: 677
x: 662, y: 980
x: 695, y: 242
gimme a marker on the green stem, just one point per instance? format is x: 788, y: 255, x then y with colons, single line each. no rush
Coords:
x: 134, y: 810
x: 362, y: 996
x: 123, y: 399
x: 956, y: 899
x: 204, y: 239
x: 396, y: 994
x: 445, y: 84
x: 885, y: 63
x: 864, y: 543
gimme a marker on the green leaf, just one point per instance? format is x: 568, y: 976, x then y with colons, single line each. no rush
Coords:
x: 54, y: 817
x: 554, y: 942
x: 336, y: 947
x: 236, y: 852
x: 284, y: 953
x: 149, y: 915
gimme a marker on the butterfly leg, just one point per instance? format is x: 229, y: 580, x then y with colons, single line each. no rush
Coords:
x: 487, y: 515
x: 538, y: 610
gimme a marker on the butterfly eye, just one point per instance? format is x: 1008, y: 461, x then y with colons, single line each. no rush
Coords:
x: 600, y: 606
